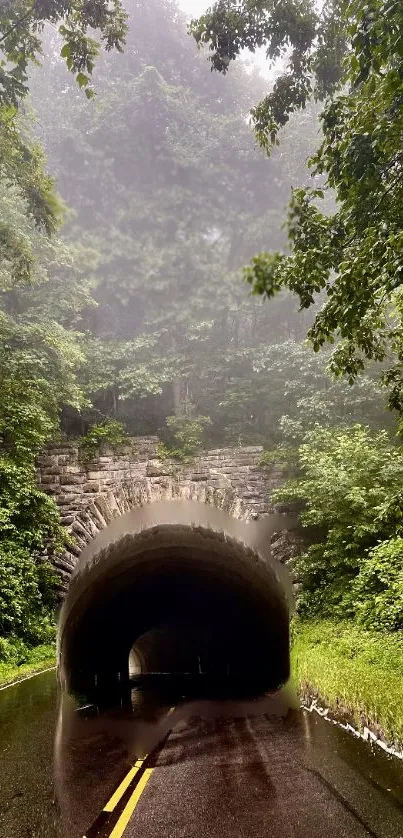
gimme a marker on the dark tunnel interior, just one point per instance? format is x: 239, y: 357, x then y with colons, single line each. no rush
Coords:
x: 179, y: 600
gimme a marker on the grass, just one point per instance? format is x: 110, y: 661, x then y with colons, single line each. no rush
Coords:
x: 356, y: 673
x: 35, y: 660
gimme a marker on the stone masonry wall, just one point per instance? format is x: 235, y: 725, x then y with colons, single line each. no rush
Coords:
x: 90, y: 493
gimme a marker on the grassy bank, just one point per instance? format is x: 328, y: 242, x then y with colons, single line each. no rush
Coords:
x: 33, y: 660
x: 356, y: 673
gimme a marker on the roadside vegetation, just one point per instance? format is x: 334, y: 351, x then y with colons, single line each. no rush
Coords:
x: 17, y: 661
x: 358, y: 674
x: 348, y: 637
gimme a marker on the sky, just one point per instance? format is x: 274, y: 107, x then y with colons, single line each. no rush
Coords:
x: 194, y: 8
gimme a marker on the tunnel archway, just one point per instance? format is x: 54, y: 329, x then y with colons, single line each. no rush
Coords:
x: 188, y: 587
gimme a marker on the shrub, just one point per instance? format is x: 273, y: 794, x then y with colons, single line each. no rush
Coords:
x: 186, y: 435
x: 378, y: 589
x: 350, y: 481
x: 105, y: 432
x: 27, y: 596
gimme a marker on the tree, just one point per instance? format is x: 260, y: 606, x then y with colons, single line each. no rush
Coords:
x: 40, y: 347
x: 21, y: 162
x: 39, y: 360
x: 351, y: 258
x: 273, y: 385
x: 311, y: 40
x: 21, y: 28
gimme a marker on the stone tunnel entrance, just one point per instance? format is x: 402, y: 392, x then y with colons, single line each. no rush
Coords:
x: 183, y: 588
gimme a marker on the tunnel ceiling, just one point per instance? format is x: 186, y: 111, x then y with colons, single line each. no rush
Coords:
x: 186, y: 581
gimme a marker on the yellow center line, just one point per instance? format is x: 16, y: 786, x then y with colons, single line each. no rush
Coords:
x: 124, y: 785
x: 123, y: 821
x: 118, y: 794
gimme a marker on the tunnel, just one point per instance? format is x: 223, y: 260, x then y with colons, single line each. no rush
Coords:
x: 177, y: 589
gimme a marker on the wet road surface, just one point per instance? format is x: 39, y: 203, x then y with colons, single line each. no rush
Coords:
x: 255, y: 777
x: 226, y: 770
x: 27, y: 725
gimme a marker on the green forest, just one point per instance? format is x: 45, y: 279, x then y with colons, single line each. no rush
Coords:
x: 190, y: 250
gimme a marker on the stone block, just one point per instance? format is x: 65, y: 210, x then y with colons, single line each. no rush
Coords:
x: 103, y: 506
x: 51, y: 479
x: 96, y: 515
x: 65, y: 562
x: 51, y: 488
x: 79, y: 530
x: 46, y: 460
x: 66, y: 520
x: 70, y: 450
x: 113, y: 504
x: 199, y: 476
x: 64, y: 459
x: 157, y: 469
x: 54, y: 469
x: 92, y: 526
x: 71, y: 479
x: 91, y: 486
x: 221, y: 452
x: 71, y: 469
x: 74, y: 547
x: 66, y: 499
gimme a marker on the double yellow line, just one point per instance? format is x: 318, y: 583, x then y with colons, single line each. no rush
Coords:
x: 134, y: 798
x: 131, y: 804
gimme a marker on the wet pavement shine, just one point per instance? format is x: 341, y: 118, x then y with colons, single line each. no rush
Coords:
x: 212, y: 769
x: 27, y: 726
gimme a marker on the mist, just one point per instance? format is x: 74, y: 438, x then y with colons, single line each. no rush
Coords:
x: 168, y: 199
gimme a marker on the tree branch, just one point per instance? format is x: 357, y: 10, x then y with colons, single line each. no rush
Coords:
x: 18, y: 23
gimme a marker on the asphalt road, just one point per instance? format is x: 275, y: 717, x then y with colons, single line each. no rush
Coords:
x: 257, y: 777
x: 225, y: 770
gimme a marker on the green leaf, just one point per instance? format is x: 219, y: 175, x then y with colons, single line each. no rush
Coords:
x: 82, y: 79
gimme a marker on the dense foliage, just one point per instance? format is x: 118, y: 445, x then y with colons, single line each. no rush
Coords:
x: 310, y: 38
x: 21, y: 162
x: 21, y: 28
x: 344, y: 262
x: 351, y: 484
x: 172, y: 196
x: 39, y: 358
